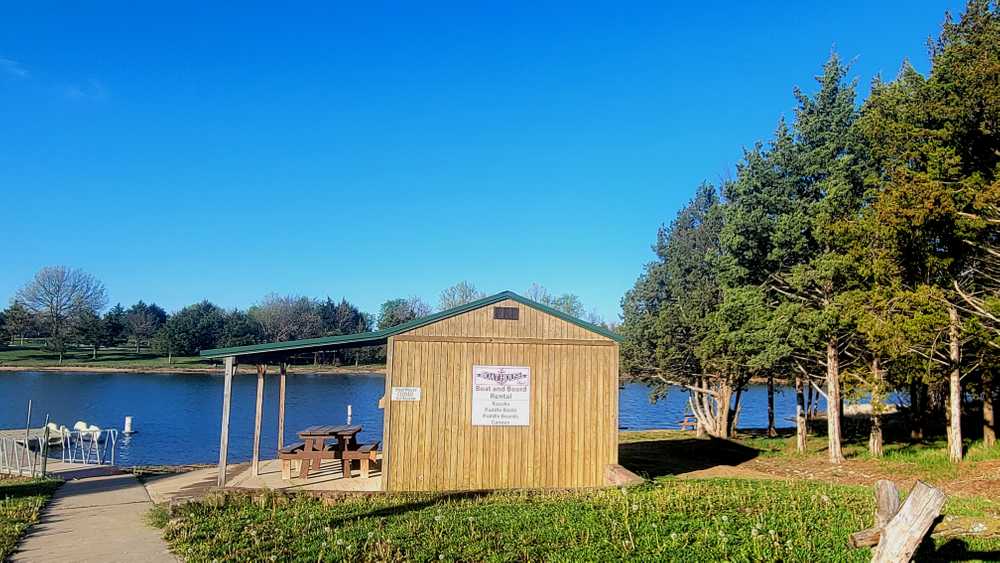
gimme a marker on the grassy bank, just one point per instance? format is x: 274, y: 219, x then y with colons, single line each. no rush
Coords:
x: 127, y: 359
x: 21, y: 501
x: 669, y: 519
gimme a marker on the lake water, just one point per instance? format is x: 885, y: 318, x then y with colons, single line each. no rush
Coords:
x: 177, y: 416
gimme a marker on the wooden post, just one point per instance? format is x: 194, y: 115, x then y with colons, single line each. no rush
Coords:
x: 386, y: 413
x: 258, y: 414
x: 281, y: 406
x: 227, y: 396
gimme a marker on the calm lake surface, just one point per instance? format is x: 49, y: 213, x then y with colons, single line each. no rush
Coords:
x: 178, y: 416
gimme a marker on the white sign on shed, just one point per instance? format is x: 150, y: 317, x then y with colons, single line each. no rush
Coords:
x: 405, y: 393
x: 501, y: 395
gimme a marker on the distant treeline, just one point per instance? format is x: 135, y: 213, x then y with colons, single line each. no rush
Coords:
x: 68, y: 307
x: 857, y: 251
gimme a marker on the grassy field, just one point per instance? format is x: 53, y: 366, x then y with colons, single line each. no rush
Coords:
x: 33, y: 355
x: 36, y: 356
x: 21, y: 500
x: 775, y: 505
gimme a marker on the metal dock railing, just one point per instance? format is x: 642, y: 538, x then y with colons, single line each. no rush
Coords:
x: 26, y: 452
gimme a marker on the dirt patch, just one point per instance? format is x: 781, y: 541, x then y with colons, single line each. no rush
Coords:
x: 730, y: 472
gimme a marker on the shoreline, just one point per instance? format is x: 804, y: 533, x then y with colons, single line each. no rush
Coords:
x: 318, y: 370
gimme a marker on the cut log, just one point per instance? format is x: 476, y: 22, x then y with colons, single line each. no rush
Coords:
x: 907, y: 529
x: 949, y: 527
x: 866, y: 538
x: 886, y: 502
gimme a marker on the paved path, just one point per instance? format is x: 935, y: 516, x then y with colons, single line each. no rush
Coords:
x: 98, y: 516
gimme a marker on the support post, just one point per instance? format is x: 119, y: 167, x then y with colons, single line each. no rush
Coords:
x: 281, y: 406
x: 227, y: 396
x: 258, y: 414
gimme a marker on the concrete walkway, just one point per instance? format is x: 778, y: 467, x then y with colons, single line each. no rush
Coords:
x: 98, y: 515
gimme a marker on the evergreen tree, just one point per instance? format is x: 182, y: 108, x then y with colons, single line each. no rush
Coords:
x: 20, y: 321
x: 193, y: 329
x: 88, y: 328
x: 142, y: 321
x: 116, y: 324
x: 937, y: 145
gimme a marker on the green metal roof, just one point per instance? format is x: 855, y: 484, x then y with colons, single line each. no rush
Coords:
x: 380, y: 336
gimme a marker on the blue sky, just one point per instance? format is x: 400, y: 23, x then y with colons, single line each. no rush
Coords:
x: 190, y: 151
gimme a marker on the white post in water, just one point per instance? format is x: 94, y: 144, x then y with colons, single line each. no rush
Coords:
x: 128, y: 425
x: 348, y: 414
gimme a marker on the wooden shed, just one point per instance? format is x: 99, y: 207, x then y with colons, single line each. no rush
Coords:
x: 502, y: 392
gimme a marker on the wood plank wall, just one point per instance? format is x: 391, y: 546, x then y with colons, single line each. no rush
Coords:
x: 573, y: 431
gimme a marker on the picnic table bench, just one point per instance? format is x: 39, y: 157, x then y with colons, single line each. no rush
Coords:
x: 689, y: 422
x: 365, y: 454
x: 313, y: 449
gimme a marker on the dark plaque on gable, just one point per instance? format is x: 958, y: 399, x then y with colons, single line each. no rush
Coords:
x: 505, y: 313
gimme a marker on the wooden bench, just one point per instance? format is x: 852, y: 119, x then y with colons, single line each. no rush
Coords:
x: 689, y: 423
x: 296, y: 453
x: 365, y: 453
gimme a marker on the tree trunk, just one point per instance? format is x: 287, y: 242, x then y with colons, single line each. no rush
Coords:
x: 735, y: 418
x: 877, y: 400
x: 136, y: 344
x: 954, y: 388
x: 723, y: 410
x: 918, y: 395
x: 833, y: 401
x: 809, y: 403
x: 771, y: 430
x: 989, y: 415
x: 800, y: 416
x: 60, y: 357
x: 713, y: 410
x: 94, y: 356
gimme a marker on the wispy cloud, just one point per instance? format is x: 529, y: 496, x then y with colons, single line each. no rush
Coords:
x: 92, y: 89
x: 12, y: 68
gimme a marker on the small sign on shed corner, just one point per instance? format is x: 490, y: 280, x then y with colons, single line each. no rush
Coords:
x: 405, y: 393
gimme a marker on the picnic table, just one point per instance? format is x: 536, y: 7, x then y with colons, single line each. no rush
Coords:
x: 315, y: 437
x: 314, y: 449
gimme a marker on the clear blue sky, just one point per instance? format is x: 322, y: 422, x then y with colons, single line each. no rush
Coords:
x: 187, y: 151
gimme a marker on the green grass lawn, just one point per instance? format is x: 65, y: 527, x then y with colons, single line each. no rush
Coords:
x: 37, y: 356
x: 34, y: 355
x: 667, y: 519
x: 21, y: 500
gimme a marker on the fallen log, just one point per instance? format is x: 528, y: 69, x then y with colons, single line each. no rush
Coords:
x: 947, y: 527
